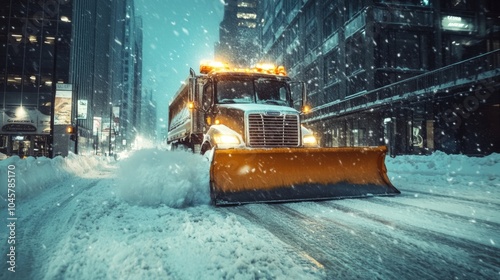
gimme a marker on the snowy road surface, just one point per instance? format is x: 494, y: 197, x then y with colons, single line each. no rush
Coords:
x: 148, y: 217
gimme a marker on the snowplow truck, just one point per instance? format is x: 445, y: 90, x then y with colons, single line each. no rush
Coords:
x: 248, y: 123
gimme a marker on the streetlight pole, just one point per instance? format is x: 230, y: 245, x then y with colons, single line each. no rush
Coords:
x: 110, y: 120
x: 76, y: 122
x: 53, y: 101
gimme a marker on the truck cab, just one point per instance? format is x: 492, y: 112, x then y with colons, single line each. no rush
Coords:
x: 243, y: 108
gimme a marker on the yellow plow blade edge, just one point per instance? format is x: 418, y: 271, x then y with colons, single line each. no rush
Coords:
x: 297, y: 174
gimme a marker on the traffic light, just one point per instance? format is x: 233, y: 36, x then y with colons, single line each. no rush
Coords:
x: 70, y: 129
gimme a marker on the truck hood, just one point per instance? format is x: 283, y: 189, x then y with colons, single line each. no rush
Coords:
x: 252, y: 107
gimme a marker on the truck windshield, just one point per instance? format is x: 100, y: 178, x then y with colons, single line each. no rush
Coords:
x: 265, y: 91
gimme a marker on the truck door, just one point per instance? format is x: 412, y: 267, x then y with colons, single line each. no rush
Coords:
x: 207, y: 103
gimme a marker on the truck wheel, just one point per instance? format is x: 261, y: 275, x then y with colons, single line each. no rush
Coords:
x: 205, y: 147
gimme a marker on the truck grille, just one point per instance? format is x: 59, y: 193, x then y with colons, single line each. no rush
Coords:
x: 273, y: 131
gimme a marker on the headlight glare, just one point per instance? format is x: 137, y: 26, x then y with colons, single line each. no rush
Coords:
x: 309, y: 140
x: 226, y: 139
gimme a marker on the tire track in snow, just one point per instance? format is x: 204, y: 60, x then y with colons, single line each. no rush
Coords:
x: 482, y: 202
x: 478, y: 260
x: 367, y: 251
x: 340, y: 248
x: 343, y: 240
x: 442, y: 214
x: 296, y: 238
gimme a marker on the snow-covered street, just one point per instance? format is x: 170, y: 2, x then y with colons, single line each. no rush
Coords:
x: 148, y: 216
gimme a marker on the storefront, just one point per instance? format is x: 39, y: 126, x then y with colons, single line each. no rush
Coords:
x: 24, y: 132
x: 24, y: 145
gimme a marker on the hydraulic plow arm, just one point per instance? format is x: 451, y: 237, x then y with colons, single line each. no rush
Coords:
x: 297, y: 174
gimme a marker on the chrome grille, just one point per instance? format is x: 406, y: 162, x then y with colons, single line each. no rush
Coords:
x: 273, y: 131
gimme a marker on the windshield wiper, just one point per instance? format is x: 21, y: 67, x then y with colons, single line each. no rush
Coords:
x: 273, y: 102
x: 226, y: 101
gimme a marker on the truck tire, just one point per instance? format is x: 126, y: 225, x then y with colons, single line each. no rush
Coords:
x: 205, y: 147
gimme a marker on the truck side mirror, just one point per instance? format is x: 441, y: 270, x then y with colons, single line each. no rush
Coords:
x: 192, y: 90
x: 305, y: 108
x: 207, y: 96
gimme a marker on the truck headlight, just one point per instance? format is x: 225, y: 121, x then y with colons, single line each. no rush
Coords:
x: 226, y: 139
x: 309, y: 140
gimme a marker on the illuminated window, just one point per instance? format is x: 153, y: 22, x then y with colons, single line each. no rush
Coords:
x: 49, y: 40
x: 248, y: 24
x: 17, y: 37
x: 246, y: 15
x: 246, y: 4
x: 65, y: 19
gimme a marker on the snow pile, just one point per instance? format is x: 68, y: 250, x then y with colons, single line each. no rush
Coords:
x: 34, y: 174
x: 154, y: 177
x: 449, y: 165
x: 457, y: 175
x: 481, y: 169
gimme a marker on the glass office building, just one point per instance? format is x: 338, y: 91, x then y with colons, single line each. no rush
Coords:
x: 34, y: 55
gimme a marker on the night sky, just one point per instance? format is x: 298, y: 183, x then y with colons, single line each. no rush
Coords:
x: 178, y: 34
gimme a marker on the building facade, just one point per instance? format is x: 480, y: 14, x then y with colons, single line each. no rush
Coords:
x: 68, y: 64
x: 417, y: 76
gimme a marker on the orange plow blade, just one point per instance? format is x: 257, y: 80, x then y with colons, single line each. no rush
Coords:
x: 298, y: 174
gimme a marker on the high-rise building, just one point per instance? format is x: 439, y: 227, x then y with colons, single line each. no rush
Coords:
x: 90, y: 71
x: 239, y: 33
x: 416, y: 76
x: 68, y: 64
x: 126, y: 77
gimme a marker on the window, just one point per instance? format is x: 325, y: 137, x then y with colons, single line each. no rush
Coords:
x: 313, y: 87
x: 246, y: 15
x: 353, y: 7
x: 462, y: 5
x: 332, y: 63
x: 234, y: 91
x: 331, y: 21
x: 312, y: 79
x: 249, y: 91
x: 271, y: 92
x: 404, y: 50
x: 332, y: 93
x: 423, y: 3
x: 356, y: 83
x: 310, y: 12
x: 246, y: 4
x: 311, y: 41
x: 355, y: 54
x: 247, y: 24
